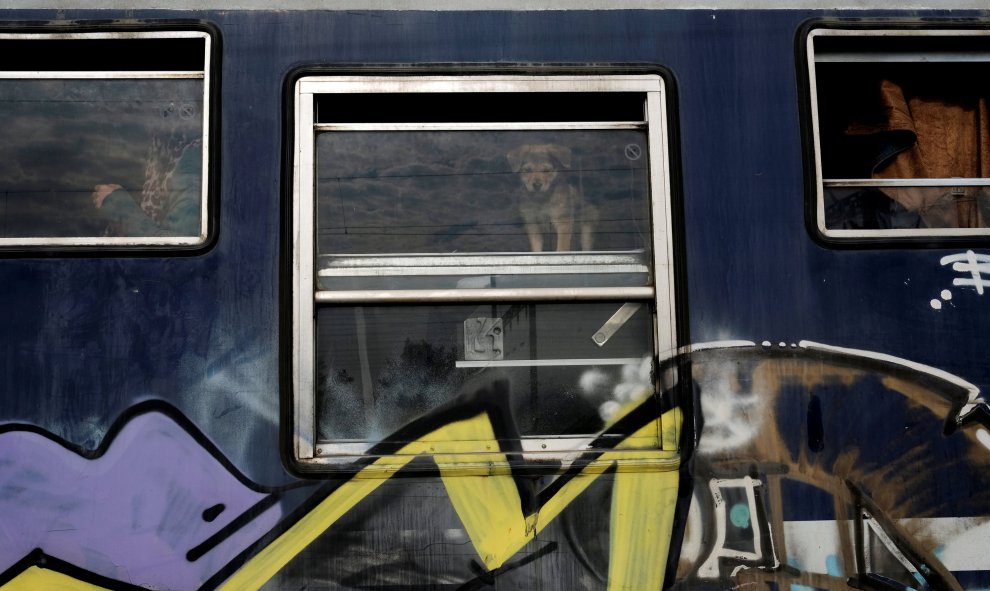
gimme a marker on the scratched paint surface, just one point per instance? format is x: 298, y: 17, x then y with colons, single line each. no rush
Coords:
x: 803, y: 461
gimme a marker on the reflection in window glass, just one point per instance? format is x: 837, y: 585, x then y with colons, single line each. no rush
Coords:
x: 380, y: 367
x: 482, y: 192
x: 115, y: 158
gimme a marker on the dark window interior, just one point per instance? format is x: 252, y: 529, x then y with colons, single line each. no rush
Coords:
x: 479, y: 107
x: 20, y: 55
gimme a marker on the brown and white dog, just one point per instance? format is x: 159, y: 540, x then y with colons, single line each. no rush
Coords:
x: 548, y: 202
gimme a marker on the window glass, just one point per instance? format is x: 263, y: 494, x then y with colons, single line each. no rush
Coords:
x: 141, y: 140
x: 459, y: 191
x: 903, y: 132
x: 378, y: 368
x: 107, y: 139
x: 462, y: 192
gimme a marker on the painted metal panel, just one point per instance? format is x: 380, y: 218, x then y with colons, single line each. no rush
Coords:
x: 140, y: 412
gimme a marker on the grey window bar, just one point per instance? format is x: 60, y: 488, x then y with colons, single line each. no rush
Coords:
x: 105, y: 75
x: 535, y: 294
x: 488, y: 264
x: 902, y: 57
x: 482, y: 126
x: 919, y: 182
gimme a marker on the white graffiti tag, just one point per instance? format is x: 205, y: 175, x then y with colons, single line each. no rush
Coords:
x: 976, y: 270
x: 977, y: 265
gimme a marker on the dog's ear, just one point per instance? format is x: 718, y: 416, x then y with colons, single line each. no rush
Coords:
x: 560, y: 153
x: 517, y: 157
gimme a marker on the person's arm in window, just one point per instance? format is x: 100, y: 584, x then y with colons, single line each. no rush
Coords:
x: 180, y: 216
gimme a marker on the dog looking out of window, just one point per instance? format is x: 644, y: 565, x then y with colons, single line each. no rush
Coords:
x: 549, y: 203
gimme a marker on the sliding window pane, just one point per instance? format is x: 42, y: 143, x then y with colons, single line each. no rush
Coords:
x: 569, y: 367
x: 482, y: 192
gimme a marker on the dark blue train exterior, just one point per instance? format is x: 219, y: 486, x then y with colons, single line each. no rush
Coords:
x: 146, y: 410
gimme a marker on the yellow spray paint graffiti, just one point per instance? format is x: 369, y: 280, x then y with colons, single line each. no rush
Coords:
x: 479, y: 465
x: 486, y: 499
x: 474, y: 463
x: 35, y: 579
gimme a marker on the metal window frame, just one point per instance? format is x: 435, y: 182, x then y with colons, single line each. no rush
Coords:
x: 205, y: 75
x: 881, y: 57
x: 306, y: 296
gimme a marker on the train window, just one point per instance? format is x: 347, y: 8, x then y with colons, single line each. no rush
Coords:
x: 902, y: 132
x: 527, y: 237
x: 106, y: 139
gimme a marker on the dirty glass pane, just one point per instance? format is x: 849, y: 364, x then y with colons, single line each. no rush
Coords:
x: 482, y: 192
x: 887, y: 208
x: 95, y: 158
x: 378, y: 368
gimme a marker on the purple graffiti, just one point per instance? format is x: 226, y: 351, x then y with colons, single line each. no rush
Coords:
x: 133, y: 513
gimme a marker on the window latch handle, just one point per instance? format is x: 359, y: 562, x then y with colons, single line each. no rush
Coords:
x: 613, y: 324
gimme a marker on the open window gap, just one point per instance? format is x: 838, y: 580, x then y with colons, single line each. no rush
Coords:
x: 498, y: 107
x: 120, y: 54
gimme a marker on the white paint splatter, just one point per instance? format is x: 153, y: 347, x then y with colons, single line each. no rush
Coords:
x: 936, y: 304
x: 592, y: 381
x: 946, y: 295
x: 608, y: 409
x: 732, y: 418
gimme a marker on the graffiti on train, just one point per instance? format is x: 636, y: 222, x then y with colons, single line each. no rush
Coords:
x: 760, y: 472
x: 973, y: 272
x: 157, y: 506
x: 795, y: 488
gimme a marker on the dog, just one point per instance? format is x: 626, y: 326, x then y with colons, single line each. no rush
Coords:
x: 548, y: 203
